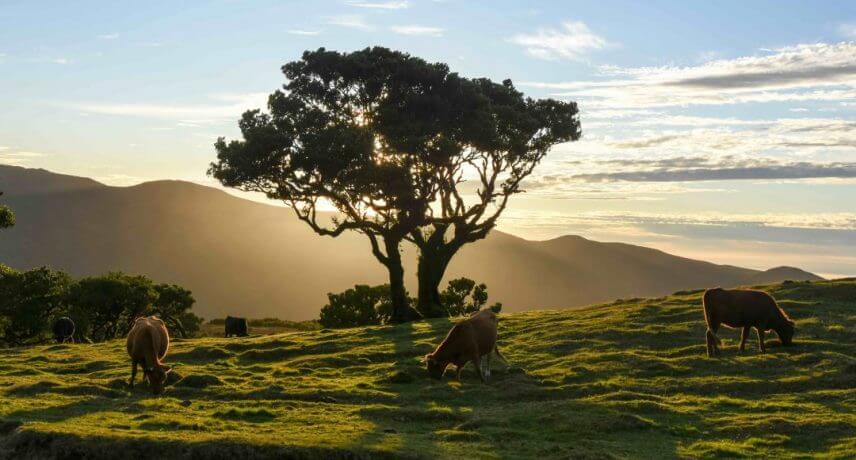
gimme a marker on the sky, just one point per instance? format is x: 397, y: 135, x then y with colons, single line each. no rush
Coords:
x: 724, y: 131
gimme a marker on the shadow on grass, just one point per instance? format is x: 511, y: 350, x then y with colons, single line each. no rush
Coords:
x: 34, y: 444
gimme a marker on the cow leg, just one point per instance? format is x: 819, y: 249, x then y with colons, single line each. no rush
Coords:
x: 487, y: 365
x: 743, y: 336
x: 761, y: 340
x: 133, y: 374
x: 712, y: 343
x: 477, y: 363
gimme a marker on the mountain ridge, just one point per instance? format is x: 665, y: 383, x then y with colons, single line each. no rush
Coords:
x: 247, y: 258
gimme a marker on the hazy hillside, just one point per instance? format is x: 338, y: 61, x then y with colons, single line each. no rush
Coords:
x: 243, y: 257
x: 623, y: 380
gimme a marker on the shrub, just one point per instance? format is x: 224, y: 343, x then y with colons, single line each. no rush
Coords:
x: 361, y: 305
x: 29, y: 303
x: 102, y: 307
x: 367, y: 305
x: 463, y: 297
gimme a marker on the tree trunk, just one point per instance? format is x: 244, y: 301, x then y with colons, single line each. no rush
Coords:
x: 430, y: 270
x: 401, y: 310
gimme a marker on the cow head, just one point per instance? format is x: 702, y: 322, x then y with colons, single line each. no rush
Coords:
x: 435, y: 367
x: 786, y: 332
x: 157, y: 377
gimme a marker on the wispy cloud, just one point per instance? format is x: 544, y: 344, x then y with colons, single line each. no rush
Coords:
x: 390, y: 5
x: 350, y: 21
x: 61, y: 61
x: 572, y: 41
x: 304, y: 32
x: 813, y: 72
x: 771, y: 171
x: 418, y: 30
x: 111, y: 36
x: 224, y: 107
x: 9, y: 156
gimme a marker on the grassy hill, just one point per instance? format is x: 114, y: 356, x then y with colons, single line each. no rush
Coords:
x: 628, y: 379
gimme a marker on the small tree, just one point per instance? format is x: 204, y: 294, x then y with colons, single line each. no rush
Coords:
x: 7, y: 219
x: 463, y: 296
x: 173, y: 305
x: 104, y: 307
x: 29, y: 303
x: 362, y: 305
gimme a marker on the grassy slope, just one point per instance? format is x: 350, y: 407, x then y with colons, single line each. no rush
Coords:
x: 628, y: 379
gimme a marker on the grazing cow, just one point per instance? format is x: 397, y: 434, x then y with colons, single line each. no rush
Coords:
x: 148, y: 342
x: 63, y: 330
x: 747, y: 309
x: 473, y: 339
x: 236, y: 326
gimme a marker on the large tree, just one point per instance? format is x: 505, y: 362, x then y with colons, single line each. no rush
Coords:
x: 387, y: 140
x: 475, y: 184
x: 359, y: 132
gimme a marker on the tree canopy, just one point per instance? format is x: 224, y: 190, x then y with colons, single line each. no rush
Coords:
x: 386, y: 139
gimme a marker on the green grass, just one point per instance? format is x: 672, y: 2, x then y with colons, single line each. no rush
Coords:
x: 628, y: 379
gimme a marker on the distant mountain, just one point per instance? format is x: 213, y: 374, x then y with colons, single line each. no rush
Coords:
x: 777, y: 274
x: 252, y: 259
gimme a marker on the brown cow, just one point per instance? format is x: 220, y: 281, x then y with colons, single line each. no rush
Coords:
x: 148, y: 342
x: 472, y: 339
x: 747, y: 309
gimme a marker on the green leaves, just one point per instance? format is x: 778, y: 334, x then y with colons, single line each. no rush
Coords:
x: 7, y: 219
x: 102, y: 307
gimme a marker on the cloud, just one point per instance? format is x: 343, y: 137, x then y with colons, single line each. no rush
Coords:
x: 727, y: 170
x: 61, y: 61
x: 418, y: 30
x: 112, y: 36
x: 813, y: 72
x: 350, y: 21
x: 304, y: 32
x: 225, y: 107
x: 648, y: 142
x: 390, y: 5
x: 572, y: 41
x: 13, y: 157
x: 847, y: 31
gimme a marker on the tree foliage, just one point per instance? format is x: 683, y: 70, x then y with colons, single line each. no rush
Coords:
x: 365, y: 305
x: 463, y: 296
x: 514, y: 135
x: 105, y: 307
x: 388, y: 140
x: 173, y: 304
x: 29, y: 303
x: 7, y: 219
x: 102, y: 307
x: 361, y: 305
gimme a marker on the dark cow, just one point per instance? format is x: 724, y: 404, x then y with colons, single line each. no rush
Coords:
x: 63, y: 330
x: 742, y: 308
x: 236, y: 326
x: 471, y: 340
x: 148, y: 342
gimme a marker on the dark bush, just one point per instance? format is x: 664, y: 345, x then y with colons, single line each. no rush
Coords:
x: 367, y: 305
